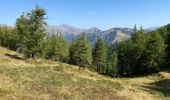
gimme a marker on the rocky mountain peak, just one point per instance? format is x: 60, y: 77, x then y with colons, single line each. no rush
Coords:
x: 113, y: 35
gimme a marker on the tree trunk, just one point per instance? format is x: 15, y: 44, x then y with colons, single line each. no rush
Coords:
x: 18, y: 49
x: 33, y: 55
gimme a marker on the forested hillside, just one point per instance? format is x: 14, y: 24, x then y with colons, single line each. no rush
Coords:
x: 37, y: 65
x: 143, y: 53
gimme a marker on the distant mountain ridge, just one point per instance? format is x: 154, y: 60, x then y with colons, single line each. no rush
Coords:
x: 113, y: 35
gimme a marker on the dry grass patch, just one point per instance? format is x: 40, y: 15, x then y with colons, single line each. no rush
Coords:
x: 42, y: 79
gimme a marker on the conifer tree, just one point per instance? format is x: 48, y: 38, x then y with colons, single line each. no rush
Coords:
x: 57, y: 48
x: 80, y: 52
x: 130, y: 54
x: 167, y: 64
x: 154, y: 53
x: 12, y: 39
x: 163, y: 32
x: 8, y: 37
x: 22, y: 24
x: 31, y: 27
x: 100, y: 56
x: 126, y: 58
x: 112, y: 60
x: 139, y: 44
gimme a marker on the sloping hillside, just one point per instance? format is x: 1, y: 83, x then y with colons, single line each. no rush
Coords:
x: 46, y: 80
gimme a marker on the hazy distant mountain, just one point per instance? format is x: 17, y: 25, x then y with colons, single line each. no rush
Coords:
x: 69, y: 32
x: 117, y: 35
x: 64, y: 29
x: 151, y: 29
x: 113, y: 35
x: 93, y: 34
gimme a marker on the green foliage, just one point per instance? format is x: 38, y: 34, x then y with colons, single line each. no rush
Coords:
x: 100, y: 56
x: 57, y: 48
x: 143, y: 53
x: 4, y: 92
x: 155, y: 52
x: 139, y: 40
x: 163, y: 32
x: 8, y: 37
x: 80, y: 52
x: 112, y: 60
x: 125, y: 57
x: 32, y: 32
x: 21, y: 24
x: 130, y: 54
x: 167, y: 64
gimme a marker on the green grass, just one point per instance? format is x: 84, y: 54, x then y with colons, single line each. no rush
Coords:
x: 47, y: 80
x: 4, y: 92
x: 57, y: 84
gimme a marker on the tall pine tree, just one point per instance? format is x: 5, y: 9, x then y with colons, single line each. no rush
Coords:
x: 80, y: 52
x: 112, y: 60
x: 100, y: 56
x: 126, y: 58
x: 168, y: 47
x: 57, y: 48
x: 32, y: 31
x: 154, y: 53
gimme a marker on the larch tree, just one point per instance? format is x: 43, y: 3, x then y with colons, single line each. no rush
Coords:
x: 100, y: 56
x: 57, y: 48
x: 112, y: 60
x: 80, y: 52
x: 154, y: 53
x: 31, y: 27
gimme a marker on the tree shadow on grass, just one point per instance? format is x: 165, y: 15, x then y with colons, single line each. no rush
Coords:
x: 162, y: 86
x: 14, y: 56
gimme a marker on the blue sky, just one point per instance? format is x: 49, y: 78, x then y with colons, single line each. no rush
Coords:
x: 103, y: 14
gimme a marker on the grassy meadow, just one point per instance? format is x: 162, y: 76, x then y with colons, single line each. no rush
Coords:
x: 41, y: 79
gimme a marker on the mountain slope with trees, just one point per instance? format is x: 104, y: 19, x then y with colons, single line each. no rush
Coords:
x: 133, y: 68
x: 143, y: 53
